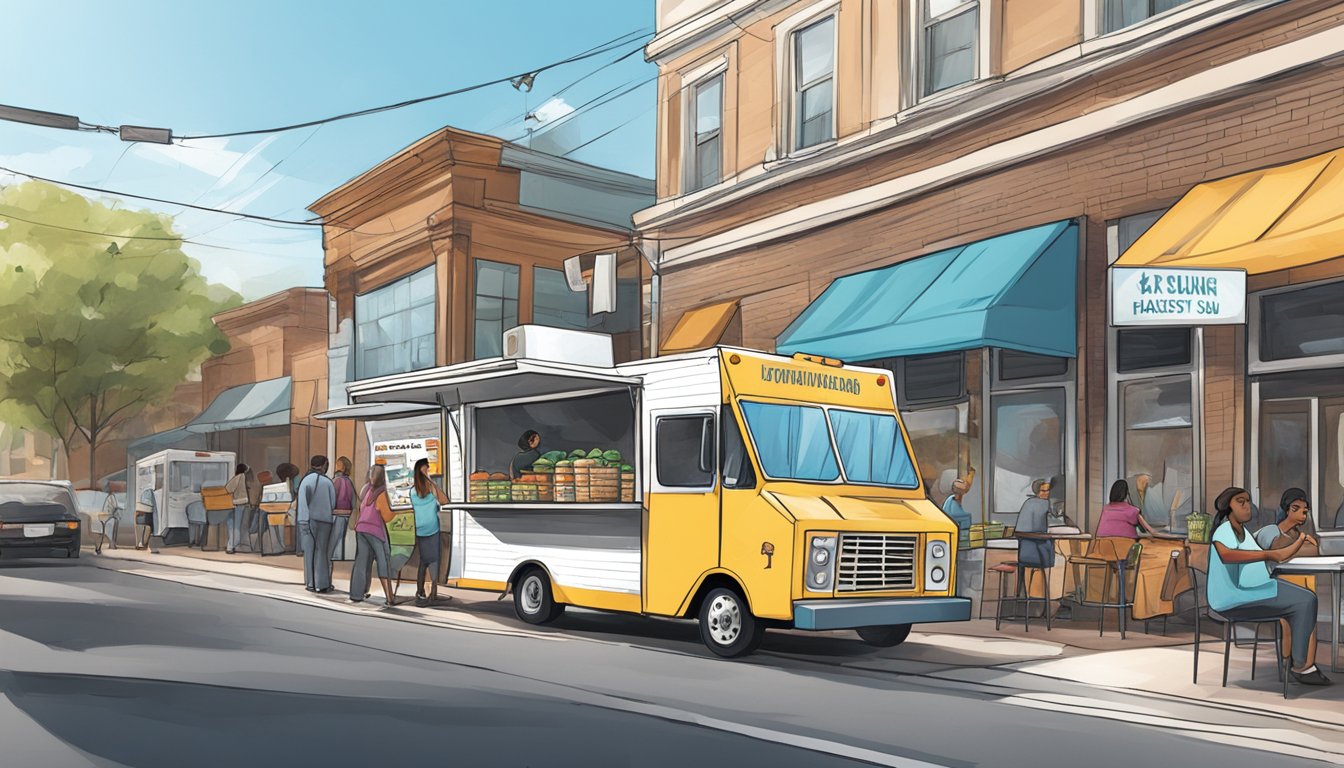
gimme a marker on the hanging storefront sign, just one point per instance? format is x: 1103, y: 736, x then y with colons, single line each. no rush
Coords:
x: 1156, y: 296
x: 398, y: 458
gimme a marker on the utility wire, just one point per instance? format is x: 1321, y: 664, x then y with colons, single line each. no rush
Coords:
x: 193, y: 206
x: 179, y: 239
x: 602, y: 99
x: 598, y: 51
x: 567, y: 87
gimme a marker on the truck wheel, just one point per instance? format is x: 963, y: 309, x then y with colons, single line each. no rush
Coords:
x: 885, y: 637
x: 726, y: 625
x: 532, y: 598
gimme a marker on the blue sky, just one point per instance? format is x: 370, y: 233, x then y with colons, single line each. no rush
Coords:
x: 205, y: 68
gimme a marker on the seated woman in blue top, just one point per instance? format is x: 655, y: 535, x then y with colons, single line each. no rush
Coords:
x: 426, y: 497
x: 1241, y: 588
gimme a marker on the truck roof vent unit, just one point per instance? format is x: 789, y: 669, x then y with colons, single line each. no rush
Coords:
x: 558, y: 345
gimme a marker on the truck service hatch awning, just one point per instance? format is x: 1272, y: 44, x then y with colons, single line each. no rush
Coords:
x: 485, y: 381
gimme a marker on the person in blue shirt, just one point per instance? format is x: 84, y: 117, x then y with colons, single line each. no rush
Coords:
x: 426, y: 497
x: 1242, y: 589
x: 952, y: 506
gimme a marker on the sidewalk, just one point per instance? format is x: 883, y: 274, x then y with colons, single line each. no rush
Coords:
x: 1150, y: 665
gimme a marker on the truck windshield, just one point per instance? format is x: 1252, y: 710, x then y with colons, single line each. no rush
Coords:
x: 792, y: 441
x: 872, y: 449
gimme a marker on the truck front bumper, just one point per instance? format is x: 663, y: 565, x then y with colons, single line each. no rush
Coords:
x: 844, y: 613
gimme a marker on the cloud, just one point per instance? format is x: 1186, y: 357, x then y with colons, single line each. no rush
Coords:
x: 551, y: 110
x: 211, y: 157
x: 56, y: 163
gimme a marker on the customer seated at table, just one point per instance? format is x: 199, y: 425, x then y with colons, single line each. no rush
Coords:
x: 1034, y: 547
x: 1120, y: 518
x: 1241, y: 588
x: 1292, y: 523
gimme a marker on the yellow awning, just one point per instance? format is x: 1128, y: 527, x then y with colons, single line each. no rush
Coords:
x: 1262, y: 221
x: 700, y: 328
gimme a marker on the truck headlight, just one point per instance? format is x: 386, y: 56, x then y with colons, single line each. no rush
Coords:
x: 937, y: 564
x: 821, y: 563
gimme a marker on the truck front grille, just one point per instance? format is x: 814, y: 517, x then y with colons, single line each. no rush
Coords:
x: 875, y: 562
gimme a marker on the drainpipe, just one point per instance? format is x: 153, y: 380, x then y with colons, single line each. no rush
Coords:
x: 652, y: 252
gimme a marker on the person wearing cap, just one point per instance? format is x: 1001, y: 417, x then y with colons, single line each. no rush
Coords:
x: 1033, y: 521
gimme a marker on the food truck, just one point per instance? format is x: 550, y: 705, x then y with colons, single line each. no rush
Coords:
x: 743, y: 489
x: 176, y: 478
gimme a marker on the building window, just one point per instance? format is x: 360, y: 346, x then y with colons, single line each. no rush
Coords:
x: 496, y: 308
x: 705, y: 119
x: 1304, y: 323
x: 814, y: 84
x: 1119, y: 14
x: 931, y: 378
x: 554, y: 304
x: 395, y: 327
x: 1142, y: 349
x: 1029, y: 432
x: 1017, y: 366
x: 949, y: 42
x: 1159, y: 447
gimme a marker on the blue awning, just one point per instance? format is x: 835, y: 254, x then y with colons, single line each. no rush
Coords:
x: 246, y: 406
x: 1015, y: 291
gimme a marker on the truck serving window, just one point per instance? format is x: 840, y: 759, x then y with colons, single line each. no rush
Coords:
x: 685, y: 451
x: 792, y: 441
x: 872, y: 449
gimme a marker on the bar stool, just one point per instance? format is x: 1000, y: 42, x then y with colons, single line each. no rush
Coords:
x: 1022, y: 594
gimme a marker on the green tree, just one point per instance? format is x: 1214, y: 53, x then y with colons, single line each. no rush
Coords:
x: 101, y: 313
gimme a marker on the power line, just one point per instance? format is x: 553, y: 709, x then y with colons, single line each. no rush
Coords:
x: 178, y: 239
x: 607, y: 133
x: 568, y: 86
x: 610, y: 45
x: 600, y: 100
x: 193, y: 206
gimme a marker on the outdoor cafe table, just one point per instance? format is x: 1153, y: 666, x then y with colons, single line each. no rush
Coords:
x: 1149, y: 602
x: 1319, y: 566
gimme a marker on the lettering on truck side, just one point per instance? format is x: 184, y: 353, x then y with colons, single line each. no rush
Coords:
x: 776, y: 375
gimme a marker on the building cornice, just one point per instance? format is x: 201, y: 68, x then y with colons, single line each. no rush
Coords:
x: 1217, y: 83
x: 991, y: 98
x: 257, y: 311
x: 713, y: 22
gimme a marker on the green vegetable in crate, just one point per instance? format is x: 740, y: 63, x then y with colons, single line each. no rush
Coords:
x: 612, y: 457
x: 578, y: 453
x: 596, y: 453
x: 553, y: 456
x: 543, y: 462
x: 627, y: 468
x: 564, y: 463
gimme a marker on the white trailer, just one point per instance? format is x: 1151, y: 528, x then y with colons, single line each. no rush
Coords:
x: 175, y: 479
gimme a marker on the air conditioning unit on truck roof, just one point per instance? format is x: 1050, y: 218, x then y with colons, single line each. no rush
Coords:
x: 559, y: 345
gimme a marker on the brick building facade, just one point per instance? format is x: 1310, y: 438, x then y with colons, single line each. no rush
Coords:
x: 1083, y: 119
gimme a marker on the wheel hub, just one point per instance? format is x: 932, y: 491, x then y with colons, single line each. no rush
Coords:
x: 725, y: 620
x: 532, y: 594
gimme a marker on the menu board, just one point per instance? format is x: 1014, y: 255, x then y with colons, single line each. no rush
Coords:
x: 398, y: 458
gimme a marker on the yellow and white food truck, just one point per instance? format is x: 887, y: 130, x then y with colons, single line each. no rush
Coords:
x: 767, y: 491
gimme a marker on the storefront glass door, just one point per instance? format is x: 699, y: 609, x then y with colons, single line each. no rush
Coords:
x: 1301, y: 445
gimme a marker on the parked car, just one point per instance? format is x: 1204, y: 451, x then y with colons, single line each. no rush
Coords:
x: 39, y: 517
x: 101, y: 514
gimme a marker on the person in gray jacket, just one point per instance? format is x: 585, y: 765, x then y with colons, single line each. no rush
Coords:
x: 316, y: 500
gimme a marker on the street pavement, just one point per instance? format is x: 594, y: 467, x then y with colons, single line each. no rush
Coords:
x: 125, y: 663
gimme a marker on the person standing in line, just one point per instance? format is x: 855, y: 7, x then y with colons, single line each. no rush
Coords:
x: 1241, y: 588
x: 252, y: 523
x: 286, y: 473
x: 316, y: 502
x: 237, y: 488
x: 371, y: 544
x: 426, y: 496
x: 345, y: 503
x: 952, y: 507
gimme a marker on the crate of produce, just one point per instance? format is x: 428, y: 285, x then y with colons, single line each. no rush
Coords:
x: 478, y: 487
x: 520, y: 491
x: 604, y: 484
x: 563, y: 484
x: 499, y: 489
x: 627, y: 484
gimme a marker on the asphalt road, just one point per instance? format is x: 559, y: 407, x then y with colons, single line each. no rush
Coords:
x: 111, y: 668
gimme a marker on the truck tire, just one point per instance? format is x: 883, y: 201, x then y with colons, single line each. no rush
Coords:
x: 885, y: 637
x: 533, y: 600
x: 726, y: 625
